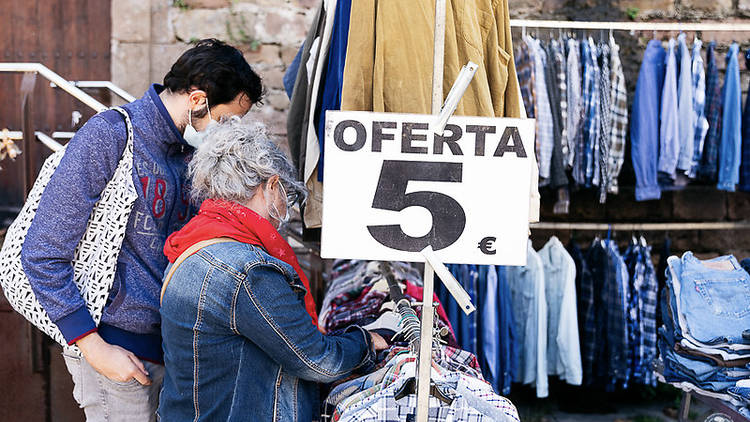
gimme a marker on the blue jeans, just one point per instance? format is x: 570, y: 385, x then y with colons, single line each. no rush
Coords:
x: 644, y: 124
x: 718, y: 301
x: 731, y: 130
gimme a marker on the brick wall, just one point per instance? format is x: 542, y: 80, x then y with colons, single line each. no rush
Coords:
x: 148, y: 35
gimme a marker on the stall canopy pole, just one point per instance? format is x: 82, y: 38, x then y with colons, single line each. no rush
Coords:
x: 424, y: 358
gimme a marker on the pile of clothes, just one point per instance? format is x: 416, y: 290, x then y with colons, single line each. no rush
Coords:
x: 705, y: 308
x: 358, y: 294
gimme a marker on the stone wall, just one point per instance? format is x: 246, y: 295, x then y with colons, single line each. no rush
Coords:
x: 697, y: 203
x: 148, y: 35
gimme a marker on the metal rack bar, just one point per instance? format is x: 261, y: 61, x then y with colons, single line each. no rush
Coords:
x: 720, y: 225
x: 632, y: 26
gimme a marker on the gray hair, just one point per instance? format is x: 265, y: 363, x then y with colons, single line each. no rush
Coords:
x: 237, y: 157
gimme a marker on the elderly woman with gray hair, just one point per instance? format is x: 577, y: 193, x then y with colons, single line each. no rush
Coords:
x: 238, y: 322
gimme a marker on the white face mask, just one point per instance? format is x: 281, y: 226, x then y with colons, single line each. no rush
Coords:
x: 273, y: 210
x: 192, y: 136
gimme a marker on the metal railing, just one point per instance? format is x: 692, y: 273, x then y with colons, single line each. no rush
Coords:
x: 102, y: 84
x: 28, y: 133
x: 58, y: 80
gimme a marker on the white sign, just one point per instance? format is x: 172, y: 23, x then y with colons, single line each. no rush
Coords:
x: 391, y: 188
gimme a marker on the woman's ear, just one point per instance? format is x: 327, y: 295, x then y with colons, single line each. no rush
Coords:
x: 273, y: 182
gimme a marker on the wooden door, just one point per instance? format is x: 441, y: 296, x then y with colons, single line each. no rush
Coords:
x: 72, y: 38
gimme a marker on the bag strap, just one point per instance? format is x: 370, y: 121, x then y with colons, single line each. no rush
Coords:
x: 183, y: 256
x: 129, y: 128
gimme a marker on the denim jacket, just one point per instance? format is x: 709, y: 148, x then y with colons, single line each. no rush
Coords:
x: 239, y: 345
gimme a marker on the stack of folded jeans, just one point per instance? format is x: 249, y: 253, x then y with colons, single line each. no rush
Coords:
x: 705, y: 308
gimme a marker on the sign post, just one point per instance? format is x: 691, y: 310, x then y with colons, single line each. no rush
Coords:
x: 396, y: 190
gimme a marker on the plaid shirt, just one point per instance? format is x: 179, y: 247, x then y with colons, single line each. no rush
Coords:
x: 585, y: 298
x: 591, y: 100
x: 352, y: 312
x: 525, y: 71
x: 699, y: 103
x: 619, y: 119
x: 649, y: 297
x: 574, y: 103
x: 383, y: 405
x: 708, y: 168
x: 542, y: 112
x: 605, y: 125
x: 642, y: 311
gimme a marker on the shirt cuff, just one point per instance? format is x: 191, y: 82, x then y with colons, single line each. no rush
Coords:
x: 368, y: 361
x: 76, y: 325
x: 647, y: 193
x: 726, y: 186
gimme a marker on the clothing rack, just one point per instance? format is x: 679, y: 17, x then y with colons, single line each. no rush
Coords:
x: 721, y: 225
x: 632, y: 26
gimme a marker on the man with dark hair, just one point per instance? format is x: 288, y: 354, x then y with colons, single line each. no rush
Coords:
x: 120, y: 375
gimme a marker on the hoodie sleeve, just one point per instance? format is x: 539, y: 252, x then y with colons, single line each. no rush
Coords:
x: 89, y: 163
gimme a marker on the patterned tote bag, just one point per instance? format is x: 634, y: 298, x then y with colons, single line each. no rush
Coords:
x: 95, y: 259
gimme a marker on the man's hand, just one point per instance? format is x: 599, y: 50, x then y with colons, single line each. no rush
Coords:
x: 112, y: 361
x: 378, y: 342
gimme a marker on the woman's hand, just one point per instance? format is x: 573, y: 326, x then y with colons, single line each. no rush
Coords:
x: 112, y: 361
x: 378, y: 342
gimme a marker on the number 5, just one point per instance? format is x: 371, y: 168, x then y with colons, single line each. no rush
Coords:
x: 448, y: 217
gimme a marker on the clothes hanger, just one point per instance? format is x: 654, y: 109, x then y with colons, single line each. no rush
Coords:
x: 409, y: 387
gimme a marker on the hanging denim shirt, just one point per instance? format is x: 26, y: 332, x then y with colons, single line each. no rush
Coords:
x: 745, y: 162
x: 508, y: 359
x: 489, y: 325
x: 563, y: 342
x: 699, y: 102
x: 687, y: 120
x: 644, y: 125
x: 707, y: 170
x: 669, y: 144
x: 530, y: 314
x: 731, y: 132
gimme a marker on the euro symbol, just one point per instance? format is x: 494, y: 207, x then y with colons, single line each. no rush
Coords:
x: 486, y: 245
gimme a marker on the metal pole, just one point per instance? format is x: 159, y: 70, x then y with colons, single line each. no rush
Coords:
x: 424, y: 358
x: 27, y: 91
x: 438, y: 57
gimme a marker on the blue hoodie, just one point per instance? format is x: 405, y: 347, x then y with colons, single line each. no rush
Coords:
x: 160, y: 155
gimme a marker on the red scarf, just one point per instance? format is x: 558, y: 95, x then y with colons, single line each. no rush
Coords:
x: 218, y: 218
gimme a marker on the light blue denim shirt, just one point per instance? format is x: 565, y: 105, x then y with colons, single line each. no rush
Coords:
x: 530, y: 314
x: 731, y: 127
x: 686, y: 123
x: 669, y: 144
x: 563, y: 342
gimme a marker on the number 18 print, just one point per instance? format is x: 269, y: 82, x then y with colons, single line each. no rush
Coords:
x: 392, y: 188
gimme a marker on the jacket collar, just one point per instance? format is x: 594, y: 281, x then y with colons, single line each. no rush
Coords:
x: 163, y: 125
